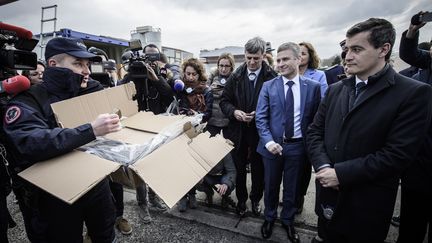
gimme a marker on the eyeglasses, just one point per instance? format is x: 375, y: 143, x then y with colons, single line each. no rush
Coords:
x: 224, y: 66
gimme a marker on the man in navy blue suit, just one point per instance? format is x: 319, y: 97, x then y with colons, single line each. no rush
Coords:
x: 286, y: 106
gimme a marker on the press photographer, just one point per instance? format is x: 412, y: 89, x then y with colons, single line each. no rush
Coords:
x: 16, y: 44
x: 153, y: 91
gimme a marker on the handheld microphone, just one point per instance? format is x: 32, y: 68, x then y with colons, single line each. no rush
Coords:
x: 20, y: 32
x: 14, y: 85
x: 179, y: 85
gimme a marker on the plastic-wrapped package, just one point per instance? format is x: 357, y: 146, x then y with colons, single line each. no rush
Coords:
x: 127, y: 154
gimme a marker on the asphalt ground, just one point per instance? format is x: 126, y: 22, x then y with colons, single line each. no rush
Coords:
x: 204, y: 224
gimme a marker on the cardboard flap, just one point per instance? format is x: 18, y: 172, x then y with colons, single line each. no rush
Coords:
x: 130, y: 136
x: 148, y: 122
x: 83, y: 109
x: 69, y: 176
x: 210, y: 150
x: 171, y: 170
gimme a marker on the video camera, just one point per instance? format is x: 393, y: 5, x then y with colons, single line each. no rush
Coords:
x: 136, y: 61
x: 100, y: 71
x: 16, y: 45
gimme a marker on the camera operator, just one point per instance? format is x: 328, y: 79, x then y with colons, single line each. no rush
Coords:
x: 34, y: 136
x: 153, y: 94
x: 153, y: 91
x: 16, y: 44
x: 416, y: 180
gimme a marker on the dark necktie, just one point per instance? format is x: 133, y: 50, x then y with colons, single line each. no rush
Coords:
x: 289, y: 111
x: 252, y: 78
x: 360, y: 87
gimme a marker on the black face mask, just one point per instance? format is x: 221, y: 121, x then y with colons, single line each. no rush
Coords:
x: 62, y: 82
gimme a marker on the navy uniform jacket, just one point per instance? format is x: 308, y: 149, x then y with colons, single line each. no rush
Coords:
x: 332, y: 73
x: 30, y: 125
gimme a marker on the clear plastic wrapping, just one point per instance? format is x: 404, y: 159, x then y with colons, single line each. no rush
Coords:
x: 127, y: 154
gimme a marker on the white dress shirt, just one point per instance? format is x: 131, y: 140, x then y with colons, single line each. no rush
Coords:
x: 359, y: 80
x: 297, y: 115
x: 256, y: 73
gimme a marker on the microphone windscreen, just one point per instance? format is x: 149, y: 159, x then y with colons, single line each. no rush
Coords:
x: 16, y: 84
x: 20, y: 32
x: 178, y: 85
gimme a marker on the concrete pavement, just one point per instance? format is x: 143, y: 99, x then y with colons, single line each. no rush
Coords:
x: 204, y: 224
x: 250, y: 226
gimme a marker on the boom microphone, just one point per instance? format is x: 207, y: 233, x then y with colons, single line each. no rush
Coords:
x: 14, y: 85
x: 20, y: 32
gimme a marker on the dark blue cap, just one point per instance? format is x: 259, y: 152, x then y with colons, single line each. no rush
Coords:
x: 71, y: 46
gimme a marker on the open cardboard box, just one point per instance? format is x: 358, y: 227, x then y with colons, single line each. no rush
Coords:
x: 171, y: 170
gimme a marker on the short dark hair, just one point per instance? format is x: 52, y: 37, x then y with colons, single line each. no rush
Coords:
x: 424, y: 46
x: 381, y: 32
x: 41, y: 62
x: 152, y: 46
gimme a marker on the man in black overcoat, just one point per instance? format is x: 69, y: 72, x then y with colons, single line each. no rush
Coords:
x: 366, y: 131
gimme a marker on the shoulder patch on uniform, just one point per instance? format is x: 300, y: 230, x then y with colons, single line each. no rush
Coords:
x: 12, y: 114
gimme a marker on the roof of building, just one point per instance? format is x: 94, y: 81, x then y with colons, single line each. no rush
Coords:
x: 235, y: 50
x: 86, y: 36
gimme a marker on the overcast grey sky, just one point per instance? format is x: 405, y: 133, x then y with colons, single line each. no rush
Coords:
x: 193, y: 25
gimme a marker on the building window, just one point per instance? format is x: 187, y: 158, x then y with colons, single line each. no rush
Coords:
x: 177, y: 54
